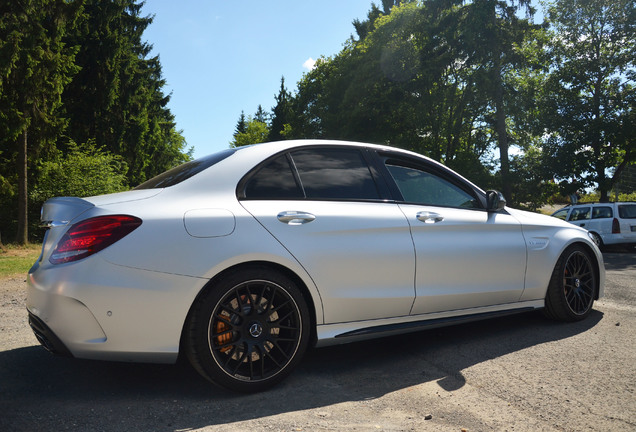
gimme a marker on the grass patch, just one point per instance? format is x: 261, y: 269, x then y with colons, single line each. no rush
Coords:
x: 17, y: 260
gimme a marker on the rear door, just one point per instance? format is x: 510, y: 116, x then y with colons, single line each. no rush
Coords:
x: 325, y: 205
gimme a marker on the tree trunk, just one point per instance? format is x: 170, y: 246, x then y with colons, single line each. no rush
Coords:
x: 502, y: 134
x: 23, y: 225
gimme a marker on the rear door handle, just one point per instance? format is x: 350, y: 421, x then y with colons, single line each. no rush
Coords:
x: 295, y: 217
x: 429, y: 217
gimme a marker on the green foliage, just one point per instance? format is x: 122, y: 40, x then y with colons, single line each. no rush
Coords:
x: 533, y: 186
x: 462, y: 81
x: 589, y: 99
x: 82, y: 171
x: 281, y: 114
x: 35, y: 66
x: 117, y: 98
x: 255, y: 132
x: 78, y: 70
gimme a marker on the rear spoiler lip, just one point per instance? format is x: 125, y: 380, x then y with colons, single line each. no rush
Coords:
x: 65, y: 208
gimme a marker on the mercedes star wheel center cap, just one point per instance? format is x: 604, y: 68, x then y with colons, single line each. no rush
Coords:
x: 256, y: 330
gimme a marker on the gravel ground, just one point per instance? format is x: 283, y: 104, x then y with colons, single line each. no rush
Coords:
x: 519, y: 373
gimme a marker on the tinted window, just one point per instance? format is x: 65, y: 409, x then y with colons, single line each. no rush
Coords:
x: 580, y: 213
x: 275, y: 180
x: 627, y: 211
x: 419, y: 186
x: 602, y: 212
x: 334, y: 174
x: 184, y: 171
x: 561, y: 214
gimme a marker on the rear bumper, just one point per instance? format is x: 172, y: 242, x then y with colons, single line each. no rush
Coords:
x: 96, y: 310
x: 47, y: 338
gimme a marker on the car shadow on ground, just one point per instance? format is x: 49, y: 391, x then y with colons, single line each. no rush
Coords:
x: 617, y: 259
x: 42, y: 392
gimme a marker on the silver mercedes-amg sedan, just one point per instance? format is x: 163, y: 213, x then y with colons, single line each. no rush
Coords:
x: 243, y: 259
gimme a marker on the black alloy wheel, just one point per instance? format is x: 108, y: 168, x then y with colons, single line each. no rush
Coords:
x: 573, y: 286
x: 250, y: 330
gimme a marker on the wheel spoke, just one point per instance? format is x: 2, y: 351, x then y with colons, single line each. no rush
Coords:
x: 578, y: 283
x: 255, y: 330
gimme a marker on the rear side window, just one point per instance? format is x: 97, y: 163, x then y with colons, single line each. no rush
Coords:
x: 315, y: 173
x: 602, y: 213
x: 275, y: 180
x: 580, y: 213
x: 627, y: 211
x: 185, y: 171
x: 327, y: 173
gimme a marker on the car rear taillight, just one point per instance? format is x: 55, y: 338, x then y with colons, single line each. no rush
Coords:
x: 92, y: 235
x: 616, y: 226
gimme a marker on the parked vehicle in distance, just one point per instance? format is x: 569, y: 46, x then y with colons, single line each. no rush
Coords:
x: 612, y: 223
x: 243, y: 259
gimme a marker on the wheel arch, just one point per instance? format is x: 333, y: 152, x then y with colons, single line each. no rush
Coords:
x: 593, y: 256
x: 300, y: 283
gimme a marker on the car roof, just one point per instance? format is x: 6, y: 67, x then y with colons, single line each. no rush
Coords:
x: 226, y: 173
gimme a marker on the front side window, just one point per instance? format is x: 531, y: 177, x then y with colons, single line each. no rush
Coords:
x: 422, y: 187
x: 580, y: 213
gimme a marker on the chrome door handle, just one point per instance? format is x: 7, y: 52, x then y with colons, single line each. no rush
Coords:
x: 429, y: 217
x: 295, y: 217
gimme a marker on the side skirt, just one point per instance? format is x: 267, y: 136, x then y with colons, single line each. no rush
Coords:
x: 349, y: 332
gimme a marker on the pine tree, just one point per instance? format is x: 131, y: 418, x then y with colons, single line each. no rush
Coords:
x: 241, y: 125
x: 117, y: 99
x: 282, y: 113
x: 35, y: 66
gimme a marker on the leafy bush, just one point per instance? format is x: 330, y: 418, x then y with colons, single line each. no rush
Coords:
x: 86, y: 170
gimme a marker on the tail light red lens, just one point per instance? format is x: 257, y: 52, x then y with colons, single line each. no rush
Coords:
x: 616, y: 226
x: 90, y: 236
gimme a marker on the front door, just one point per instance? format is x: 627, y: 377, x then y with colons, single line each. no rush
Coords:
x: 466, y: 257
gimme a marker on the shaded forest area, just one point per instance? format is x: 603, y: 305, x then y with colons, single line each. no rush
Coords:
x: 536, y: 110
x: 82, y: 107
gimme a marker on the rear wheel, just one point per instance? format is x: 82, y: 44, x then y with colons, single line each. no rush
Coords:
x: 248, y: 331
x: 572, y: 287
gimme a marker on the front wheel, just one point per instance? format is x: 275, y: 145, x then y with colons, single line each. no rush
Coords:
x: 572, y: 288
x: 248, y: 332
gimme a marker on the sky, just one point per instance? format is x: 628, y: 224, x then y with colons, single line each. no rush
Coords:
x: 223, y: 57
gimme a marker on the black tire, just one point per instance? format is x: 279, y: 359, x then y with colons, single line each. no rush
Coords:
x: 596, y: 238
x: 248, y: 331
x: 573, y: 286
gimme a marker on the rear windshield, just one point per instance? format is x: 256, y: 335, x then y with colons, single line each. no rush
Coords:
x: 184, y: 171
x: 627, y: 211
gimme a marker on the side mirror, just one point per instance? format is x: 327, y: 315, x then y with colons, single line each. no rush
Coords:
x: 495, y: 201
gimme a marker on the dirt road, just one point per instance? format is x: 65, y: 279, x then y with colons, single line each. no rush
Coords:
x: 520, y: 373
